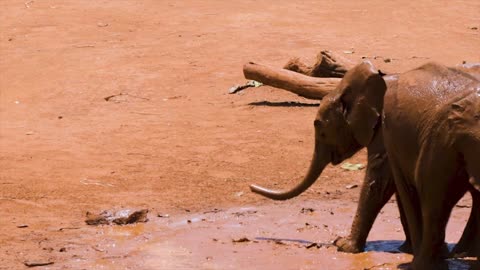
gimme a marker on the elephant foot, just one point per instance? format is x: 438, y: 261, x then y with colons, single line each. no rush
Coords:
x: 345, y: 244
x: 423, y: 264
x: 406, y: 247
x: 464, y: 253
x: 462, y: 250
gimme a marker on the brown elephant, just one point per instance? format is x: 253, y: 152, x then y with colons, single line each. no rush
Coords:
x: 431, y: 128
x: 348, y: 120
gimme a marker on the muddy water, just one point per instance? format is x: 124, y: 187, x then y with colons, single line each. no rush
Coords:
x: 274, y: 236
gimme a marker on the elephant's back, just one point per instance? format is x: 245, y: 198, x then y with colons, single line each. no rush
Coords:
x: 422, y: 91
x: 412, y: 104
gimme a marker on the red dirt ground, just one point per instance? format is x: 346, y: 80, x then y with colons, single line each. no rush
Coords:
x: 175, y: 140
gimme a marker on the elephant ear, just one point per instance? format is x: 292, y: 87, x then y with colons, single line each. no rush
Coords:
x: 464, y: 116
x: 470, y: 155
x: 363, y: 101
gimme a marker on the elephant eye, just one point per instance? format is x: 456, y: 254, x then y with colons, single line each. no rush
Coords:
x: 343, y: 108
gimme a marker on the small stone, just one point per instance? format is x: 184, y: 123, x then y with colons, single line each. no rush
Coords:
x: 387, y: 60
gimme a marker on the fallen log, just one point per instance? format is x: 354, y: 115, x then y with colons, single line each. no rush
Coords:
x: 315, y: 81
x: 312, y: 82
x: 326, y: 65
x: 302, y: 85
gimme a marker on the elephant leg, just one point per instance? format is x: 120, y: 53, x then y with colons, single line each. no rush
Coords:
x: 469, y: 243
x: 471, y: 159
x: 409, y: 204
x: 378, y: 187
x: 438, y: 198
x: 406, y: 247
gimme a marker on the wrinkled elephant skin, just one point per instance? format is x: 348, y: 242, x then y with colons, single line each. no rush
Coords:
x: 432, y: 136
x: 339, y: 128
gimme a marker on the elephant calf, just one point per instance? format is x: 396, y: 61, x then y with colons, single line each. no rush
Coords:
x: 349, y: 119
x: 431, y: 126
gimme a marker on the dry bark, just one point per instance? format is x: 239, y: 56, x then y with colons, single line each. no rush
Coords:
x: 312, y: 82
x: 326, y: 65
x: 302, y: 85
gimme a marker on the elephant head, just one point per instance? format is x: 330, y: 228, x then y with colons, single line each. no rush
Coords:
x: 346, y: 122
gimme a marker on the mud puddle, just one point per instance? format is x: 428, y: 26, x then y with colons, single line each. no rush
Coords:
x: 292, y: 235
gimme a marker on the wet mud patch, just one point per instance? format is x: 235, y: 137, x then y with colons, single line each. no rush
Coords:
x: 273, y: 236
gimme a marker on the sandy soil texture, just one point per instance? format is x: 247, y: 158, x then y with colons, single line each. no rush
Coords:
x: 124, y: 105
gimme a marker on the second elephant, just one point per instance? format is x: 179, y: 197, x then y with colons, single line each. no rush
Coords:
x: 347, y: 121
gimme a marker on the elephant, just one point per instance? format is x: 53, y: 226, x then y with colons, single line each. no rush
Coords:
x: 347, y: 121
x: 431, y: 128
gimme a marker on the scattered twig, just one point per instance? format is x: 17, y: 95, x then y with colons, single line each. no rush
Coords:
x: 69, y: 228
x: 312, y: 245
x: 35, y: 264
x: 97, y: 249
x: 238, y: 88
x: 108, y: 98
x: 318, y: 245
x: 351, y: 186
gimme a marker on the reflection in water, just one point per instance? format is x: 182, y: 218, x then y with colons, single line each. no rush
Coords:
x: 390, y: 246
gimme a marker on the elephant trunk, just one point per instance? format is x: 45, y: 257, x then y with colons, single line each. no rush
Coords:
x: 321, y: 158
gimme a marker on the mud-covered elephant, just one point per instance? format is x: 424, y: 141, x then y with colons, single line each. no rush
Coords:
x: 431, y: 128
x: 349, y: 119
